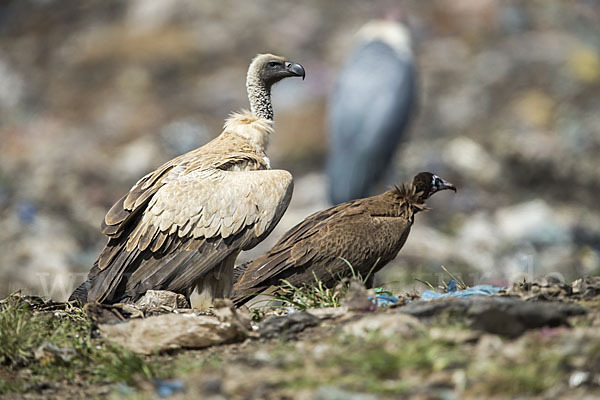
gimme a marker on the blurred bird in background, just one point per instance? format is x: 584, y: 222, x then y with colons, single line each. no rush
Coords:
x: 370, y: 108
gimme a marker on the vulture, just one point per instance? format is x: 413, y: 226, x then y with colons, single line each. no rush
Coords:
x: 366, y: 233
x: 182, y: 226
x: 369, y: 109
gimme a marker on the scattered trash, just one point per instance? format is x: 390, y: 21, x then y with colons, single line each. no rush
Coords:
x: 174, y: 331
x: 385, y: 300
x: 26, y: 212
x: 454, y: 291
x: 168, y: 388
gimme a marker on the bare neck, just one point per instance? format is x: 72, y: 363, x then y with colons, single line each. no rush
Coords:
x: 259, y: 96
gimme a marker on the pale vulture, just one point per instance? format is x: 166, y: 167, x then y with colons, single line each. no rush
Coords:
x: 182, y: 226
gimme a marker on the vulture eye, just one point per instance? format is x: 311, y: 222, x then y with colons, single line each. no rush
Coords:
x: 273, y: 63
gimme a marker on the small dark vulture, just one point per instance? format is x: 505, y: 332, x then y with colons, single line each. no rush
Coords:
x: 368, y: 233
x: 182, y: 226
x: 369, y: 109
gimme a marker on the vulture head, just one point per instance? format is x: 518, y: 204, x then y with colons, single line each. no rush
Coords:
x: 428, y: 183
x: 269, y: 69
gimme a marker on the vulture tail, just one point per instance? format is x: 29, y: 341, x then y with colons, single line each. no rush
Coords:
x: 239, y: 270
x: 81, y: 293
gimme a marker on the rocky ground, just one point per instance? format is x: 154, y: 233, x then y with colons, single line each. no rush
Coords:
x: 531, y: 340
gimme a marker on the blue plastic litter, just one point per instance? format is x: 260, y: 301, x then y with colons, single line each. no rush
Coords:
x: 26, y: 212
x: 384, y: 300
x: 454, y: 291
x: 125, y: 390
x: 168, y: 388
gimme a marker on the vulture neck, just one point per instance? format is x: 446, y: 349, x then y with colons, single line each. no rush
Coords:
x: 259, y: 95
x: 410, y: 199
x: 252, y: 128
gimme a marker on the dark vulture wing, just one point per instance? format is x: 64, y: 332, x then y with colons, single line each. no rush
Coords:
x: 313, y: 249
x: 175, y: 226
x: 370, y: 108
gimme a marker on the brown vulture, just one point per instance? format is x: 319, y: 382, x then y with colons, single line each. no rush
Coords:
x: 367, y: 233
x: 182, y: 226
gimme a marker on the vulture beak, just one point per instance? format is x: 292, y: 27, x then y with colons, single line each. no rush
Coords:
x: 440, y: 184
x: 295, y: 69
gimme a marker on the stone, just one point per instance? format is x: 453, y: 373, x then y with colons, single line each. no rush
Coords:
x: 499, y: 315
x: 385, y: 324
x: 290, y: 324
x: 174, y: 331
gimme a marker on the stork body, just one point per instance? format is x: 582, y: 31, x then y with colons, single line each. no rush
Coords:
x: 369, y: 110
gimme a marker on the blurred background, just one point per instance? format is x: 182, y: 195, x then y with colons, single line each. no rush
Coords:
x: 95, y: 94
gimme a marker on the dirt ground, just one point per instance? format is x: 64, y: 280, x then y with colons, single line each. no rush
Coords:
x: 529, y: 341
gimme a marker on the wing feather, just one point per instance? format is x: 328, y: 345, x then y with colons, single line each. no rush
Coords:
x: 311, y: 241
x: 190, y: 224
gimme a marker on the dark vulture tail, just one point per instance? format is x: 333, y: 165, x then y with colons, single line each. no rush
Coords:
x: 81, y: 293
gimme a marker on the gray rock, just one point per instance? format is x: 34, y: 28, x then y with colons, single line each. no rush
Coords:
x: 161, y: 300
x: 500, y: 315
x: 175, y: 331
x: 386, y: 325
x: 587, y: 287
x: 287, y: 324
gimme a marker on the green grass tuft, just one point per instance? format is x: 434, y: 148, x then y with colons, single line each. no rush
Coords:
x: 309, y: 296
x: 57, y: 345
x: 318, y: 295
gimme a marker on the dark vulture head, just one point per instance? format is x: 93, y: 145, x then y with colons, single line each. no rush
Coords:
x: 270, y: 69
x: 429, y: 183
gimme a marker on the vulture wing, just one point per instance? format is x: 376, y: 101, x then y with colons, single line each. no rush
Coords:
x: 175, y: 225
x: 313, y: 249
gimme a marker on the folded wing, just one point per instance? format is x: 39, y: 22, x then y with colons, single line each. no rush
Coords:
x: 176, y: 225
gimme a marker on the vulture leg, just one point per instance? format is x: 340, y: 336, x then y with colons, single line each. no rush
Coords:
x: 215, y: 284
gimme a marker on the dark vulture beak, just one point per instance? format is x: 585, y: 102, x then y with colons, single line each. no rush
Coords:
x: 440, y: 184
x: 295, y: 69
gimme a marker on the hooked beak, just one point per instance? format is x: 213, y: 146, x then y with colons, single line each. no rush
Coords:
x: 440, y: 184
x: 295, y: 69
